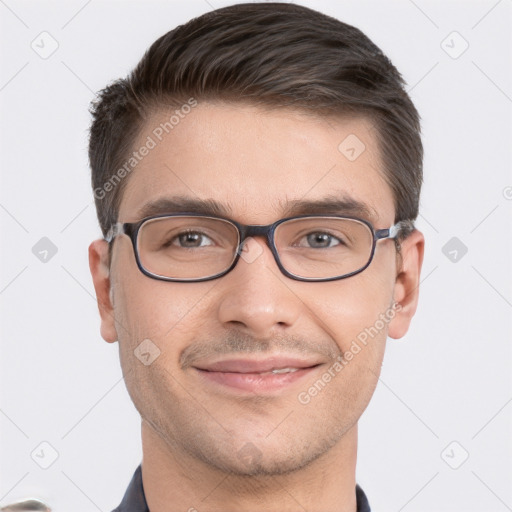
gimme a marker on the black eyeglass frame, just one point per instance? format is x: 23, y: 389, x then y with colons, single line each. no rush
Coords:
x: 245, y: 231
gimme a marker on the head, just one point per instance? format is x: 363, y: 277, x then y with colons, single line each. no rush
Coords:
x: 255, y: 112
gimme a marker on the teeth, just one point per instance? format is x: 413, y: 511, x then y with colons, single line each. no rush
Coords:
x: 284, y: 370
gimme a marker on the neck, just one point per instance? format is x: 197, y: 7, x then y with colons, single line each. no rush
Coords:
x: 174, y: 481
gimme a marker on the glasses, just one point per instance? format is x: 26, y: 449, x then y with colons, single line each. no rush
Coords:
x: 191, y: 247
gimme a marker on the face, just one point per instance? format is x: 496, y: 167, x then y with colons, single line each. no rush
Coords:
x: 256, y: 165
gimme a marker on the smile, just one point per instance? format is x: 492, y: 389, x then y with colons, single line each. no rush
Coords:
x: 270, y: 375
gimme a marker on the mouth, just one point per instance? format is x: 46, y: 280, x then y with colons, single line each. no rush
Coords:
x: 256, y: 376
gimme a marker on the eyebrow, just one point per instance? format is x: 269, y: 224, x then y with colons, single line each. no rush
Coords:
x: 332, y: 205
x: 329, y: 205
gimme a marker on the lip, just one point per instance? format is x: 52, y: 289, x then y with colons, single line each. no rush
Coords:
x: 256, y: 366
x: 244, y: 375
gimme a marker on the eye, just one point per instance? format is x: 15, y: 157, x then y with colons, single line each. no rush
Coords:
x: 189, y: 239
x: 321, y: 240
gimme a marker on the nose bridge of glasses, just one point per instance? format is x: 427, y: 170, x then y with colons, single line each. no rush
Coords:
x: 253, y: 230
x: 256, y: 230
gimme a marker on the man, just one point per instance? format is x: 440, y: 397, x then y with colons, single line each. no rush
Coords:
x: 256, y: 178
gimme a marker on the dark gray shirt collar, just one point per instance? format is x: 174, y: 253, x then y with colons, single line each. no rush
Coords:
x: 135, y: 501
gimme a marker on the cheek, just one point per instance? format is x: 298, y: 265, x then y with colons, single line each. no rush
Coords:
x: 161, y: 311
x: 156, y: 317
x: 352, y: 309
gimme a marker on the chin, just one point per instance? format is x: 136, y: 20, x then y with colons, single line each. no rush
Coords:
x: 262, y: 458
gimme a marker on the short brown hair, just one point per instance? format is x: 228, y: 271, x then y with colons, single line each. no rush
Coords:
x: 274, y: 55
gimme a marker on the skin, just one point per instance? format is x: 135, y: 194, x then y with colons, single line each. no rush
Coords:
x: 302, y: 456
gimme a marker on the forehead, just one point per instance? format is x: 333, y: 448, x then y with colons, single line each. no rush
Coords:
x: 256, y: 164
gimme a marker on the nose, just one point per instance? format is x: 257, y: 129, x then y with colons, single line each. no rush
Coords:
x: 256, y: 296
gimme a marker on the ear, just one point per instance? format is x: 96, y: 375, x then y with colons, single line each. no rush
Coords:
x: 406, y: 289
x: 99, y: 266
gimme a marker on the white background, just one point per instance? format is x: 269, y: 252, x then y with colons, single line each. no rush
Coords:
x: 449, y: 379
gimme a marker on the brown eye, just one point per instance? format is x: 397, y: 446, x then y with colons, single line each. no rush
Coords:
x: 189, y: 239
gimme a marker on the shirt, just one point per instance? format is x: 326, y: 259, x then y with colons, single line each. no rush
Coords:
x: 134, y: 499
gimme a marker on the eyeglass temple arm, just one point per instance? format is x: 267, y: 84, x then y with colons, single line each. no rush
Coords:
x: 406, y: 225
x: 115, y: 230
